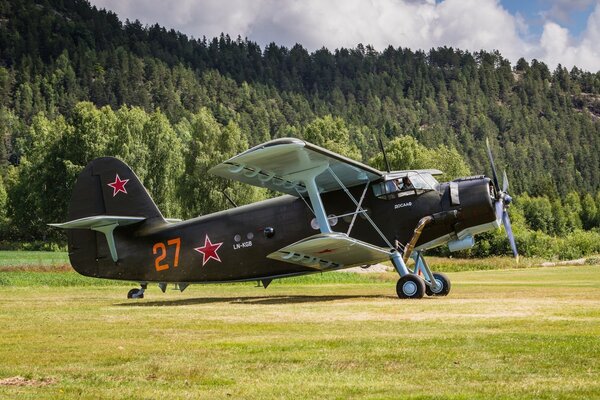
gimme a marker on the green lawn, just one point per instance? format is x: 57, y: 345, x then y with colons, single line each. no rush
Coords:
x: 32, y: 258
x: 528, y: 333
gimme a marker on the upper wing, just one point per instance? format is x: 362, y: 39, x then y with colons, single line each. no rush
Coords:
x: 330, y: 251
x: 277, y: 164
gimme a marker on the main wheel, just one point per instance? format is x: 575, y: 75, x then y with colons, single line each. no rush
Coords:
x: 410, y: 287
x: 135, y: 294
x: 443, y: 285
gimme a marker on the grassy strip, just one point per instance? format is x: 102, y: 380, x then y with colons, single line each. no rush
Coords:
x: 71, y: 278
x: 504, y: 334
x: 33, y: 258
x: 52, y: 279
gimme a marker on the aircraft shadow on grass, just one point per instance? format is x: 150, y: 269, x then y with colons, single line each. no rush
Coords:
x: 260, y: 300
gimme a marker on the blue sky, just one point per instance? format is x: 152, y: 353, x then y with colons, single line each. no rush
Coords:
x: 572, y: 15
x: 553, y: 31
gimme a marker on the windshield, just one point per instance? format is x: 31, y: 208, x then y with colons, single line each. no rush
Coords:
x: 404, y: 184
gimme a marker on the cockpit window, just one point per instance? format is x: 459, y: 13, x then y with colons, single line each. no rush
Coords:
x: 404, y: 184
x: 430, y: 180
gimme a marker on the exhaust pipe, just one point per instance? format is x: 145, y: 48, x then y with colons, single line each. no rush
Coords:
x: 423, y: 222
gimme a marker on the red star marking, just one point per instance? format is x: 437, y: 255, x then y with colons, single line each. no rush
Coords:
x: 209, y: 250
x: 325, y: 251
x: 118, y: 185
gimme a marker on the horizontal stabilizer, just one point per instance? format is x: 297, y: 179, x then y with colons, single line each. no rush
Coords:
x: 330, y: 251
x: 102, y: 223
x: 281, y: 165
x: 98, y: 221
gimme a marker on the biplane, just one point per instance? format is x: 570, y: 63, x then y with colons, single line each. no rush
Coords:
x: 334, y: 213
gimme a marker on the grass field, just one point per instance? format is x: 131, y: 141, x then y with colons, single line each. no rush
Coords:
x: 32, y: 258
x: 526, y: 333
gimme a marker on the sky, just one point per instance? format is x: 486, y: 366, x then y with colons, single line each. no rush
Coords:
x: 565, y: 32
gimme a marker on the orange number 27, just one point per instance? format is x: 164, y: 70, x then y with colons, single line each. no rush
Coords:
x: 161, y: 250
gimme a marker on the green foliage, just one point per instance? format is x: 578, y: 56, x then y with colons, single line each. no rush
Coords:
x: 542, y: 228
x: 333, y: 134
x: 207, y: 143
x: 77, y: 83
x: 544, y: 122
x: 579, y: 244
x: 589, y: 211
x: 538, y: 213
x: 3, y: 199
x: 530, y: 243
x: 56, y: 150
x: 405, y: 152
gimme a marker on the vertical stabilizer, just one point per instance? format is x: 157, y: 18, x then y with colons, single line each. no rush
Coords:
x: 108, y: 205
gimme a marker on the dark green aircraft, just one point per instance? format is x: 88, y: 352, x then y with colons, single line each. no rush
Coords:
x: 336, y: 213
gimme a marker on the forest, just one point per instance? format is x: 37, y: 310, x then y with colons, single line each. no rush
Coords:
x: 77, y: 83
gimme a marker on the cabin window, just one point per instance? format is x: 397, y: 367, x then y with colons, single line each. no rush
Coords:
x: 392, y: 189
x: 404, y: 185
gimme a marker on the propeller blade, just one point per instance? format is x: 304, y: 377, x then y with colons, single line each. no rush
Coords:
x: 499, y: 209
x: 509, y: 233
x: 494, y: 175
x: 504, y: 182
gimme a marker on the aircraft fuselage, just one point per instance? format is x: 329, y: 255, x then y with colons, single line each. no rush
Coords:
x: 233, y: 245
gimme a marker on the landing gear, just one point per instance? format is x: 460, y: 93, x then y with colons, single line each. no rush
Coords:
x: 438, y: 284
x: 410, y: 287
x: 442, y: 285
x: 414, y: 284
x: 137, y: 293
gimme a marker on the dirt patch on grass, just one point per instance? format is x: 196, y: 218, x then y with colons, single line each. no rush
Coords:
x: 375, y: 268
x: 22, y: 381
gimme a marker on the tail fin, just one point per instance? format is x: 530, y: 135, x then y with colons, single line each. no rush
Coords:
x: 107, y: 195
x: 107, y: 186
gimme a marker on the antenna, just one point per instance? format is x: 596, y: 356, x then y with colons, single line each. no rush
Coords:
x: 228, y: 198
x: 387, y: 163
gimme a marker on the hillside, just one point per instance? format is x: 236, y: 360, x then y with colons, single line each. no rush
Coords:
x: 544, y: 125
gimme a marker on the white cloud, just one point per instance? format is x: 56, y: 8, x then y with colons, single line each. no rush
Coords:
x: 557, y: 45
x: 417, y: 24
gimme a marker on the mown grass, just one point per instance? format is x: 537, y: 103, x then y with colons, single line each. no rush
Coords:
x: 32, y: 259
x: 526, y: 333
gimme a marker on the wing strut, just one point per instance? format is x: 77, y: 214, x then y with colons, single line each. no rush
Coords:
x: 358, y: 209
x: 358, y: 205
x: 315, y: 199
x: 308, y: 177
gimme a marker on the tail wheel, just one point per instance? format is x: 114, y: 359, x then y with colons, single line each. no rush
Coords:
x: 135, y: 294
x: 410, y: 287
x: 443, y: 285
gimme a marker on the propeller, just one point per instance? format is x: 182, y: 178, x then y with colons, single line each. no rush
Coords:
x: 502, y: 201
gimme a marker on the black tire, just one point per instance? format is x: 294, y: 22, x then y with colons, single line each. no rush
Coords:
x: 135, y: 294
x: 410, y: 287
x: 446, y: 286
